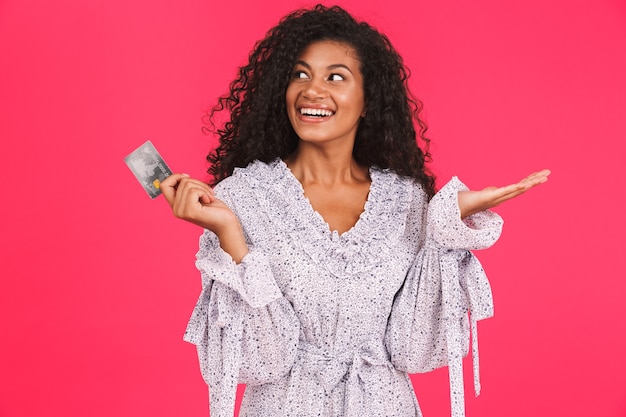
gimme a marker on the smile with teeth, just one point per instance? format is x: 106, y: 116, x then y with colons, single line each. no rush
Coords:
x: 316, y: 112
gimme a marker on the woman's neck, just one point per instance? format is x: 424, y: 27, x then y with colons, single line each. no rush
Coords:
x: 319, y: 166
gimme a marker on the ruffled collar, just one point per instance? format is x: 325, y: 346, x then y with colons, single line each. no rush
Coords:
x: 362, y: 247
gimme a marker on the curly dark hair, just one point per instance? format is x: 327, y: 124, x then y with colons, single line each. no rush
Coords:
x: 259, y: 127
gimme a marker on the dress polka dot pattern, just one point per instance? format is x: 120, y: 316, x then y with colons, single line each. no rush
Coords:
x: 318, y: 323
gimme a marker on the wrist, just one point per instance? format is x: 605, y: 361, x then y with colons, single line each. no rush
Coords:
x: 232, y: 241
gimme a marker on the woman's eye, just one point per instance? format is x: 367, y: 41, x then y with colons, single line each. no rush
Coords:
x: 336, y: 77
x: 300, y: 75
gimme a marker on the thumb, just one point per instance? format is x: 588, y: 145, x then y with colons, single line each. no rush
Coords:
x: 168, y: 187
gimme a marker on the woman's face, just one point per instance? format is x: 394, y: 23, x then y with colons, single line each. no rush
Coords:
x: 325, y: 99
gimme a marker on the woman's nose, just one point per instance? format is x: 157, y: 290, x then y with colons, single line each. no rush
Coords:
x: 315, y: 88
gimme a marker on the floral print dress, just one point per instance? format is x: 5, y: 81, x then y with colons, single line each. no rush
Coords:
x: 318, y: 323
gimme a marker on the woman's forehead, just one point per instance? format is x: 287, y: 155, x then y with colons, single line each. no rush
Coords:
x: 329, y: 50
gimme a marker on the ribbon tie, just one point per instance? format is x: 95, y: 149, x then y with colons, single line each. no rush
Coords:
x: 349, y: 366
x: 462, y: 294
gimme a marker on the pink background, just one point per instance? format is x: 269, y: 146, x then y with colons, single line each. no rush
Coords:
x: 97, y: 280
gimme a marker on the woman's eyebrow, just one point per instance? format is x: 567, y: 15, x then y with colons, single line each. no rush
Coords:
x: 330, y: 67
x: 335, y: 66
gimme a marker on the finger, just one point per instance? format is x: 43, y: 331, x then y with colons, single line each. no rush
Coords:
x: 192, y: 182
x: 207, y: 199
x: 514, y: 190
x: 168, y: 187
x: 530, y: 181
x: 189, y: 200
x: 536, y: 178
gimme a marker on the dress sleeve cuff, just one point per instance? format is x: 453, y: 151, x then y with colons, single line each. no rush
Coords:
x: 252, y: 278
x: 446, y: 229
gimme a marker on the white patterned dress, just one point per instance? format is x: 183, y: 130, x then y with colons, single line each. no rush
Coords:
x: 318, y: 323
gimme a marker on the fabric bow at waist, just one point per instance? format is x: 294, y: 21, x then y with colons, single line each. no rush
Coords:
x: 356, y: 368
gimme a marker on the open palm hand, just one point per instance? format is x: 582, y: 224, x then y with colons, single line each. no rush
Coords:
x: 471, y: 202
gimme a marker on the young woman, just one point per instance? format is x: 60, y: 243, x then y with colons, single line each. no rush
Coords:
x: 331, y: 267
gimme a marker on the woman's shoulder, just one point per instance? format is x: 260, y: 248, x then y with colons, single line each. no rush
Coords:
x: 255, y: 174
x: 397, y: 185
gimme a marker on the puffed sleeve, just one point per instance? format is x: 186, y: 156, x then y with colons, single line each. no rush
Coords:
x: 429, y: 327
x: 244, y: 329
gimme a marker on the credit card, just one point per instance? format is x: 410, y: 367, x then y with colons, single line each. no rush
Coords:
x: 149, y: 168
